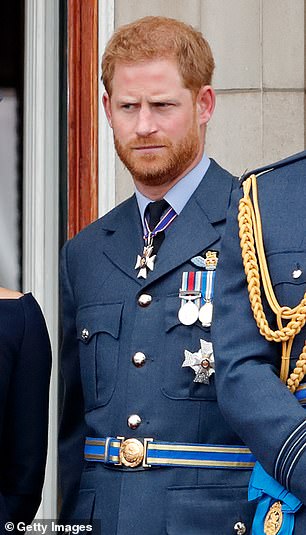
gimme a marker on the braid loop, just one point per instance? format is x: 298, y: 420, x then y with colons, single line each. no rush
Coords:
x: 257, y: 273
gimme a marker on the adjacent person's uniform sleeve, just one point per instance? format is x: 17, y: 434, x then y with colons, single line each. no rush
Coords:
x: 256, y: 403
x: 72, y: 426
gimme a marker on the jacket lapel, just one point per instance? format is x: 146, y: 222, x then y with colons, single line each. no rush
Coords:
x: 194, y: 229
x: 124, y: 238
x: 191, y: 232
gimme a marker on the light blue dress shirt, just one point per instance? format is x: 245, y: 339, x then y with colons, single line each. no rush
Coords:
x: 181, y: 192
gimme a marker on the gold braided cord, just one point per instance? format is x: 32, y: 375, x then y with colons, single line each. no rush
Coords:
x: 251, y: 241
x: 298, y: 373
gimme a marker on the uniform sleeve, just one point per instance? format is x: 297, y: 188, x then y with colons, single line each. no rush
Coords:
x: 25, y: 429
x: 72, y: 426
x: 256, y: 403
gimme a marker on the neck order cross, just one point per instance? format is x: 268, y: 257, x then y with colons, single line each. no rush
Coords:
x: 156, y: 222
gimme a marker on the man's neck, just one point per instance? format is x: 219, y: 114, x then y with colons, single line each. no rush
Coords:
x: 155, y: 193
x: 179, y: 194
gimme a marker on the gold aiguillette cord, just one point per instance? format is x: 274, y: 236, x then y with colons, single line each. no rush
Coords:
x: 251, y: 241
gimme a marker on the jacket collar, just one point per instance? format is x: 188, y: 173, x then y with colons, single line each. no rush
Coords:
x: 191, y: 232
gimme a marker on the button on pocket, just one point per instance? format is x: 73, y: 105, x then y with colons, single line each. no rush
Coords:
x: 85, y: 334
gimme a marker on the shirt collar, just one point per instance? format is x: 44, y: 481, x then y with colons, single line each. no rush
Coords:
x: 181, y: 192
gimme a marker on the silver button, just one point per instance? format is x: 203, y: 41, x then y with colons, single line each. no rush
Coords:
x: 139, y: 359
x: 134, y: 421
x: 85, y: 334
x: 297, y: 273
x: 240, y: 528
x: 144, y: 300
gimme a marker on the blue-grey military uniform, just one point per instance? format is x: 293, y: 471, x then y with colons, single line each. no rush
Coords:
x: 122, y: 355
x: 267, y: 416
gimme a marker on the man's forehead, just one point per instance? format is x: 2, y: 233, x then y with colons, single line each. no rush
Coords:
x: 146, y: 59
x: 160, y: 76
x: 153, y: 65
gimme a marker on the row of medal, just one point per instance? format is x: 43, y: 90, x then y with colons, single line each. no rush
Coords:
x: 196, y: 296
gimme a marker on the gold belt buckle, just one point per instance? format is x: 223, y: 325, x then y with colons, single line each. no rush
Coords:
x: 133, y: 452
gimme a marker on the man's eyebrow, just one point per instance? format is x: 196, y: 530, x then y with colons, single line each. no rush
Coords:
x: 163, y: 98
x: 123, y: 98
x: 151, y: 100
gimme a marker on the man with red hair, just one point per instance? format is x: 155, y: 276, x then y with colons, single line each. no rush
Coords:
x: 143, y: 445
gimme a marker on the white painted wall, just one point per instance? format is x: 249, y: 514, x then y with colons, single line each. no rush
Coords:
x: 259, y: 52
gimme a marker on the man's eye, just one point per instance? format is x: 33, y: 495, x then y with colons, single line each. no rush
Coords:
x: 127, y: 106
x: 162, y: 104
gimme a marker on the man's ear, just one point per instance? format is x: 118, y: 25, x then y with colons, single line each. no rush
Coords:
x: 206, y: 99
x: 107, y: 108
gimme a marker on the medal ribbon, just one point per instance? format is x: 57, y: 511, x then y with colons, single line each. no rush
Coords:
x: 191, y: 281
x: 207, y: 286
x: 201, y: 283
x: 163, y: 223
x: 268, y: 492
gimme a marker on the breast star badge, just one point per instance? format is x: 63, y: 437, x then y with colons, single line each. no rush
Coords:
x: 202, y: 362
x: 145, y: 261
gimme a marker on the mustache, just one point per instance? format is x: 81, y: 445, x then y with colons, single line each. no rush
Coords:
x: 149, y: 142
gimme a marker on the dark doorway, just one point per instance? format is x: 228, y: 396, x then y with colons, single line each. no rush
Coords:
x: 11, y: 141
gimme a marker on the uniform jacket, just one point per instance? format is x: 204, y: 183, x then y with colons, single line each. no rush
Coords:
x: 100, y: 292
x: 25, y: 358
x: 255, y: 402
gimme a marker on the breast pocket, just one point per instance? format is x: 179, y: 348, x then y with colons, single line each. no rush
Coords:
x: 177, y: 381
x: 98, y: 328
x: 288, y: 274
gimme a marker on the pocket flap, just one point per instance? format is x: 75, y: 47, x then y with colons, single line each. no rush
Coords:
x: 98, y: 318
x: 288, y: 267
x: 208, y: 510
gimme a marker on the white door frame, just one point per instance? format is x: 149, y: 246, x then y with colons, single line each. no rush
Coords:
x: 41, y: 208
x: 41, y: 188
x: 106, y: 150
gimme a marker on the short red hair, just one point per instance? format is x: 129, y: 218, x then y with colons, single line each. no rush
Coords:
x: 160, y: 37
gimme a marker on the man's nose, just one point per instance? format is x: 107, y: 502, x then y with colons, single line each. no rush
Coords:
x: 145, y: 122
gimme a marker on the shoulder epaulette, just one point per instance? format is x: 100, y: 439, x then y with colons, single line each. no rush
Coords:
x: 271, y: 167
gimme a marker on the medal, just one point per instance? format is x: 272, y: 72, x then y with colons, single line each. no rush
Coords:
x: 190, y: 295
x: 145, y: 261
x: 197, y: 292
x: 202, y: 362
x: 273, y: 519
x: 188, y: 313
x: 205, y: 314
x: 207, y: 289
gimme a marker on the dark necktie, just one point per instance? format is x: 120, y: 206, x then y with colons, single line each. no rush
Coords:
x: 153, y: 213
